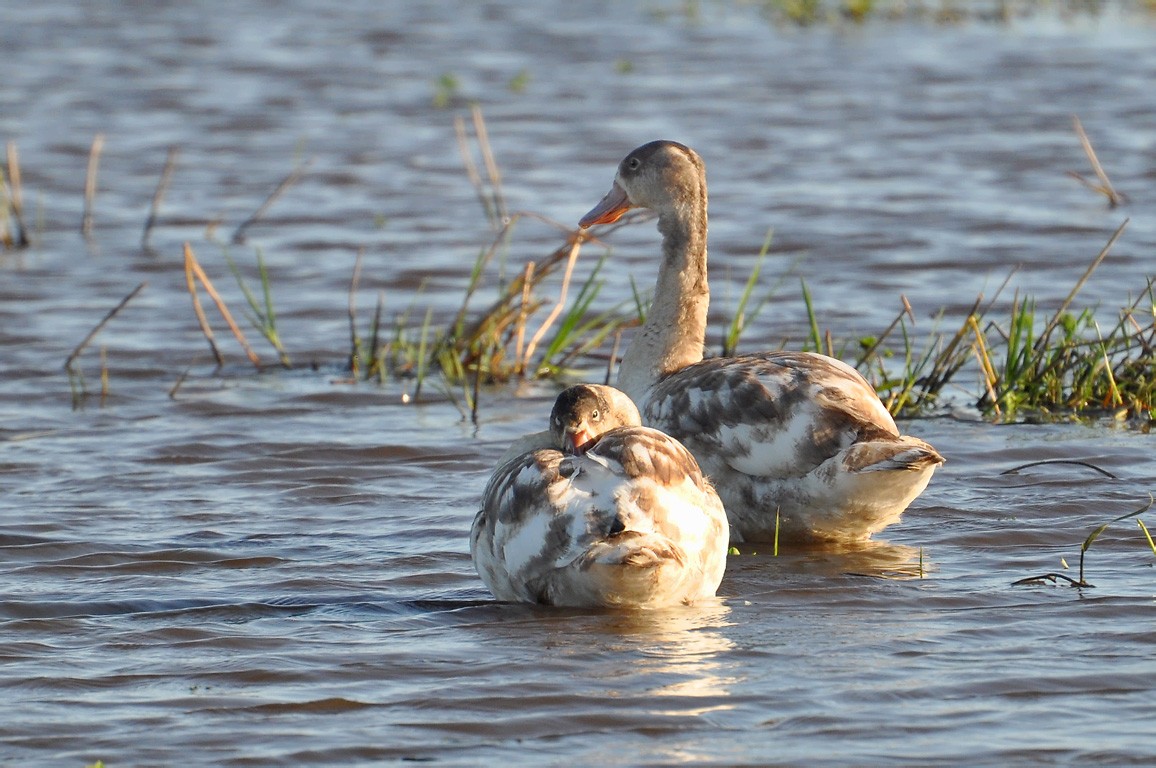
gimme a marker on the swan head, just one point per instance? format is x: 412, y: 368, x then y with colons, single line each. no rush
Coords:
x: 663, y: 176
x: 585, y: 412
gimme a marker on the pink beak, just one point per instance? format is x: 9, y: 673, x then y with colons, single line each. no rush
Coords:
x: 581, y: 440
x: 609, y: 210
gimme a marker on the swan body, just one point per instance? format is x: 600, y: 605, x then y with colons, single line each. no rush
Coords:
x: 600, y: 511
x: 793, y: 441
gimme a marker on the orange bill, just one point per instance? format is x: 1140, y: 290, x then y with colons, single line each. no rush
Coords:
x: 581, y: 440
x: 609, y: 210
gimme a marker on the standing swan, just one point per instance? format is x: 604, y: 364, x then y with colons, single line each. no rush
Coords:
x: 794, y: 433
x: 611, y: 513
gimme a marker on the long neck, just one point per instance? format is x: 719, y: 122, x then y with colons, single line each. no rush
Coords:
x: 675, y: 329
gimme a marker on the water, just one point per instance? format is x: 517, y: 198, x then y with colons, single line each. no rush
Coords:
x: 242, y: 568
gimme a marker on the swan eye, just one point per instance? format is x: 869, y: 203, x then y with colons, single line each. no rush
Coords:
x: 595, y: 415
x: 633, y: 164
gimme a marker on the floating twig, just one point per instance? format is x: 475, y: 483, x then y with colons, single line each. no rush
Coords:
x: 1077, y: 462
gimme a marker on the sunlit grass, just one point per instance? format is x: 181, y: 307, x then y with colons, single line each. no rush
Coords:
x: 542, y: 319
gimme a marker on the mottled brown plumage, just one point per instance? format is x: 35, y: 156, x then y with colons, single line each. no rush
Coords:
x: 600, y: 511
x: 796, y: 435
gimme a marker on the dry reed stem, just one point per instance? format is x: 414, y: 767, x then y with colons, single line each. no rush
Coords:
x: 293, y: 177
x: 874, y: 346
x: 981, y: 354
x: 1041, y: 342
x: 354, y: 341
x: 575, y: 247
x: 180, y: 380
x: 159, y: 194
x: 613, y: 356
x: 492, y: 200
x: 90, y: 184
x: 472, y: 170
x: 206, y: 329
x: 104, y: 385
x: 17, y: 200
x: 92, y: 334
x: 192, y: 265
x: 523, y: 313
x: 1105, y: 188
x: 490, y: 162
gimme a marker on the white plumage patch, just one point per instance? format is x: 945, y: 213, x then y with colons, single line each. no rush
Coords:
x: 631, y: 522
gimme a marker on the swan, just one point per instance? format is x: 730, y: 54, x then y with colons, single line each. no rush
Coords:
x: 599, y: 511
x: 793, y: 437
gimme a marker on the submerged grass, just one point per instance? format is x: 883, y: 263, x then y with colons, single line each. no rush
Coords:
x: 1087, y: 544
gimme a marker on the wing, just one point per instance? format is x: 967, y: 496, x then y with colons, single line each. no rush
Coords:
x: 658, y: 487
x: 778, y: 414
x: 540, y: 511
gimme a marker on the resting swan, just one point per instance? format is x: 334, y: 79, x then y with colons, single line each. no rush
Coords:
x: 599, y: 512
x: 798, y: 433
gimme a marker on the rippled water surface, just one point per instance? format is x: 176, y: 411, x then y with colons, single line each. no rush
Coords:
x: 235, y: 568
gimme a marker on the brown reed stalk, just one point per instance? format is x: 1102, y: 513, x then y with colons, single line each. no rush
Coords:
x: 92, y: 334
x: 354, y: 340
x: 981, y: 355
x: 523, y: 314
x: 1042, y: 341
x: 193, y: 269
x: 575, y: 247
x: 288, y: 181
x: 17, y: 200
x: 376, y: 360
x: 1105, y: 186
x: 472, y: 171
x: 104, y: 386
x: 159, y: 194
x: 874, y: 346
x: 492, y: 200
x: 489, y: 160
x: 610, y: 361
x: 90, y: 184
x: 202, y: 320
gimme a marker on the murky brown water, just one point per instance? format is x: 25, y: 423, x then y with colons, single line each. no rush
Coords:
x: 273, y: 569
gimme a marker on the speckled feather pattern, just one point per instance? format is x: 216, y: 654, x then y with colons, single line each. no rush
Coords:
x: 797, y: 437
x: 799, y: 433
x: 632, y: 522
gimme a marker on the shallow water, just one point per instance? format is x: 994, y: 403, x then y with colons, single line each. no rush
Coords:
x: 273, y: 568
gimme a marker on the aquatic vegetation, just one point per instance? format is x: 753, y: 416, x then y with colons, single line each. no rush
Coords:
x: 195, y: 274
x: 533, y: 323
x: 90, y: 184
x: 1086, y: 545
x: 13, y: 233
x: 1055, y: 367
x: 810, y: 12
x: 75, y: 376
x: 261, y: 315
